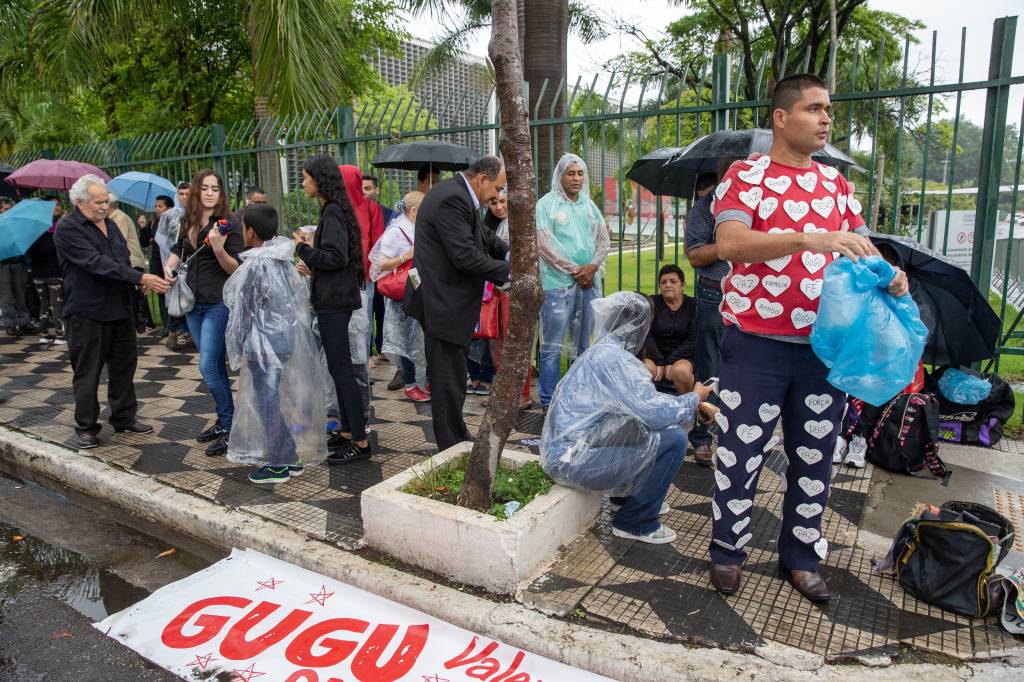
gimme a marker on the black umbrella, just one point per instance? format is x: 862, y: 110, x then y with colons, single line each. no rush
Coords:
x: 433, y: 154
x: 962, y: 327
x: 649, y: 172
x: 704, y: 154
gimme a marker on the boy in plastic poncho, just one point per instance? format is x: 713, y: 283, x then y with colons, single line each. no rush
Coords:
x: 608, y: 428
x: 280, y: 406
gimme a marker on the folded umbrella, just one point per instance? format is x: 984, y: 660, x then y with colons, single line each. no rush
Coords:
x: 141, y: 189
x: 21, y: 226
x: 962, y: 327
x: 433, y: 154
x: 52, y: 174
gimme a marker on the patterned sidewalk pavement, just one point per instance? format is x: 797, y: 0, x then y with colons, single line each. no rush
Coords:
x: 658, y: 591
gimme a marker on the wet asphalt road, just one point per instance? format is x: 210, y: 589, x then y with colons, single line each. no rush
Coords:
x: 74, y: 566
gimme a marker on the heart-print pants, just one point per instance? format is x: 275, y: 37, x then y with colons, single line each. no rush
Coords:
x: 760, y: 381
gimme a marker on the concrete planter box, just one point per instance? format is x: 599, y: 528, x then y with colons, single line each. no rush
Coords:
x: 468, y: 546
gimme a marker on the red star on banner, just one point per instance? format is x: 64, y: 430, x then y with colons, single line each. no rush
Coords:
x: 247, y: 674
x: 268, y: 584
x: 201, y: 661
x: 320, y: 597
x: 434, y: 678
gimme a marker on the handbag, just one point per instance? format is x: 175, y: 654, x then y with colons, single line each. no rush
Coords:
x: 392, y: 284
x: 487, y: 325
x: 180, y: 298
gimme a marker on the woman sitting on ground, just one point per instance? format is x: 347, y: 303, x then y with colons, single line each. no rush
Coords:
x: 671, y: 343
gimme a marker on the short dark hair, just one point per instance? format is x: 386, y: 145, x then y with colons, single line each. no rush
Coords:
x: 184, y: 184
x: 488, y: 164
x: 254, y: 189
x: 371, y: 179
x: 672, y: 269
x: 705, y: 180
x: 167, y: 201
x: 422, y: 174
x: 51, y: 197
x: 790, y: 90
x: 262, y: 218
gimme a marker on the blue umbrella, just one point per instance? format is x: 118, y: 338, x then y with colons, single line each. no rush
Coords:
x: 21, y: 226
x: 140, y: 189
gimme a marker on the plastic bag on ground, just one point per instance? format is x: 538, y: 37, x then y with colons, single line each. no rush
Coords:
x: 279, y: 405
x: 963, y: 388
x: 870, y: 340
x: 603, y: 425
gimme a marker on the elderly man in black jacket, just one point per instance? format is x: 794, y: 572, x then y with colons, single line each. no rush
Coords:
x: 455, y: 255
x: 99, y: 308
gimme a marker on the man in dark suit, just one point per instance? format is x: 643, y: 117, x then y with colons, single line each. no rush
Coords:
x: 455, y: 254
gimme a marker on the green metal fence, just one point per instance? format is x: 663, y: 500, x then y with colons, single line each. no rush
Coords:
x: 888, y: 118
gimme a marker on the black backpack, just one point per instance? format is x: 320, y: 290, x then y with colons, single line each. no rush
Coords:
x: 904, y: 439
x: 978, y: 424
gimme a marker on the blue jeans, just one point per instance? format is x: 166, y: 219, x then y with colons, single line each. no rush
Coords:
x: 266, y: 384
x: 479, y: 362
x: 639, y: 511
x: 709, y: 337
x: 206, y: 324
x: 563, y: 309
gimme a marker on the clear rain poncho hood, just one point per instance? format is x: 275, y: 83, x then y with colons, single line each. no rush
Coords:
x: 268, y: 331
x: 603, y: 426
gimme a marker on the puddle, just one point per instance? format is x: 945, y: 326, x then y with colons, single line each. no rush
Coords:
x: 62, y: 574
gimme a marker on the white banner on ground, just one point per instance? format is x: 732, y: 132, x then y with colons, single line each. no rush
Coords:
x: 254, y: 618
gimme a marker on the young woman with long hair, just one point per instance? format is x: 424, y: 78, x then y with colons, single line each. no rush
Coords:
x: 334, y: 256
x: 216, y: 257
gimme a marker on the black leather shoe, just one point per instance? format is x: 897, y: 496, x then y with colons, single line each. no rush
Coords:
x: 726, y: 578
x: 397, y: 381
x: 213, y: 433
x: 808, y: 583
x: 87, y: 440
x: 218, y: 447
x: 136, y: 427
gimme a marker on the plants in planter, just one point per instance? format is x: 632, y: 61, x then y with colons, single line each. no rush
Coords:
x: 511, y: 484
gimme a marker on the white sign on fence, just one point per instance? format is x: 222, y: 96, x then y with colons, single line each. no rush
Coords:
x: 254, y: 618
x: 959, y: 245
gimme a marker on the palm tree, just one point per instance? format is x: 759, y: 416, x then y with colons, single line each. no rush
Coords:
x: 543, y: 32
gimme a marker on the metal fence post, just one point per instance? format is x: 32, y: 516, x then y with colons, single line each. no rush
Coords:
x: 121, y: 147
x: 218, y: 146
x: 992, y: 143
x: 719, y: 91
x: 345, y: 125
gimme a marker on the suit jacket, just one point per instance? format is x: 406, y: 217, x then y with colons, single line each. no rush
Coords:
x: 455, y: 254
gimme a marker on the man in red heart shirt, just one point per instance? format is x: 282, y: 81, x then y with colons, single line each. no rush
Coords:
x: 779, y: 221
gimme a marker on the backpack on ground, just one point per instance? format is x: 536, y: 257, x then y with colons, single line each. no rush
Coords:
x: 978, y: 424
x: 904, y: 438
x: 947, y: 556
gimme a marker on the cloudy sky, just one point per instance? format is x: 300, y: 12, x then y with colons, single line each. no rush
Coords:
x: 947, y: 17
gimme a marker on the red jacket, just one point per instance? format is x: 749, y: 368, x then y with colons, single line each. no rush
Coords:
x: 368, y: 213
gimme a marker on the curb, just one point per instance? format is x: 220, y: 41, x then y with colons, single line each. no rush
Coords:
x: 619, y: 656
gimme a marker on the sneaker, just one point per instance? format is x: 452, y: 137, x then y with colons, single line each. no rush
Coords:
x: 397, y: 381
x: 171, y: 340
x: 858, y: 451
x: 336, y: 441
x: 482, y: 390
x: 213, y: 433
x: 416, y: 395
x: 296, y: 469
x: 665, y: 508
x: 269, y: 474
x: 59, y: 341
x: 840, y: 450
x: 662, y: 535
x: 218, y: 447
x: 46, y: 340
x: 350, y: 453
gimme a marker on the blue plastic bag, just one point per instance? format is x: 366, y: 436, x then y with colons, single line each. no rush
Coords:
x: 963, y: 388
x: 871, y: 341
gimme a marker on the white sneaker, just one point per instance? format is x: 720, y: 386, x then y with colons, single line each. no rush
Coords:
x: 840, y: 451
x: 858, y: 451
x: 662, y: 535
x: 60, y: 342
x: 665, y: 508
x: 46, y: 340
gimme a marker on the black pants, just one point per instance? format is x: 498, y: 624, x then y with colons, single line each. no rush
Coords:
x: 378, y: 320
x: 446, y: 373
x: 334, y: 334
x: 92, y: 345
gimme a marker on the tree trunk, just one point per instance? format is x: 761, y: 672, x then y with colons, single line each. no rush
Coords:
x: 526, y: 293
x: 832, y: 45
x: 544, y: 58
x: 268, y: 160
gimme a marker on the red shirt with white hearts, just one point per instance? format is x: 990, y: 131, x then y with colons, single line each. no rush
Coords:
x: 780, y: 297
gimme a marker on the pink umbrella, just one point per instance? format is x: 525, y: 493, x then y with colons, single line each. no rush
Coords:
x: 52, y: 174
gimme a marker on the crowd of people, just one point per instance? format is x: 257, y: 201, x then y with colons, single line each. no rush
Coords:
x: 281, y: 310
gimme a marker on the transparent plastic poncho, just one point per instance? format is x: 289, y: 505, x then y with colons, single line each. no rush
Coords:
x: 603, y: 426
x: 269, y: 340
x: 870, y: 340
x: 403, y: 335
